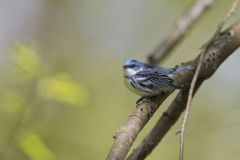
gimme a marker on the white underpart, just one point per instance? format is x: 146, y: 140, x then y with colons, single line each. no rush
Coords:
x: 130, y: 71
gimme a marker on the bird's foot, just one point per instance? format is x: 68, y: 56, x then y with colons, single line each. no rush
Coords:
x: 143, y: 100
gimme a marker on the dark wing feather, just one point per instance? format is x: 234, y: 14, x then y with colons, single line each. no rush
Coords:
x: 154, y: 79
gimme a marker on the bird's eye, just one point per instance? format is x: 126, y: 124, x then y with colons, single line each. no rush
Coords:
x: 132, y: 65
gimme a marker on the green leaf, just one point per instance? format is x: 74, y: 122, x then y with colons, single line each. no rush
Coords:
x: 27, y: 62
x: 63, y: 88
x: 33, y: 146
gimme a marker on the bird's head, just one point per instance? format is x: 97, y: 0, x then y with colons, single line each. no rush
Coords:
x: 131, y: 67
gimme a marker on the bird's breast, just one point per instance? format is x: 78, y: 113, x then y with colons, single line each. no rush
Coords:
x: 134, y: 86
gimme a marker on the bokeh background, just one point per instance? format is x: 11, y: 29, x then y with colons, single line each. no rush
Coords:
x: 61, y: 90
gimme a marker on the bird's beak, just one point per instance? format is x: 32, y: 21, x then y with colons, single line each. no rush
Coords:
x: 125, y: 66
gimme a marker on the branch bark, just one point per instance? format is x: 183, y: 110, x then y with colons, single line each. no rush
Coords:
x: 167, y: 120
x: 126, y: 135
x: 178, y: 32
x: 222, y: 47
x: 128, y: 132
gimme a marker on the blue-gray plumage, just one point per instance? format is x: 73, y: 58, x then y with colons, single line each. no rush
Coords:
x: 147, y: 79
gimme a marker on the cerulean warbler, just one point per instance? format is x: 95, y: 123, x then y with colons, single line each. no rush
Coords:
x: 149, y: 80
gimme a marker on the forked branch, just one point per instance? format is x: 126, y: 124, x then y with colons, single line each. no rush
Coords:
x: 222, y: 47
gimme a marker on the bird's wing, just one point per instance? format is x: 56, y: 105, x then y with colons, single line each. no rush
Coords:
x: 153, y: 78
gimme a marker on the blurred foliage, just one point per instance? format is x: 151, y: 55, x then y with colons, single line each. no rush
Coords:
x: 33, y: 146
x: 60, y: 87
x: 43, y: 87
x: 27, y: 61
x: 13, y: 101
x: 63, y: 89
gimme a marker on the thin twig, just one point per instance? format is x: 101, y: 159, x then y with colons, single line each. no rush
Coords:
x: 190, y: 95
x: 195, y: 77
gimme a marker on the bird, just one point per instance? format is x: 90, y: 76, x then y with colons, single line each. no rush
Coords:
x: 149, y: 80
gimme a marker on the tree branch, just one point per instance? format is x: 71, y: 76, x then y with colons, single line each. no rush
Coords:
x: 222, y: 47
x: 129, y: 131
x: 178, y: 32
x: 167, y: 120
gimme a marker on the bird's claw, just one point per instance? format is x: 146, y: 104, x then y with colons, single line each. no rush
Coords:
x: 143, y: 100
